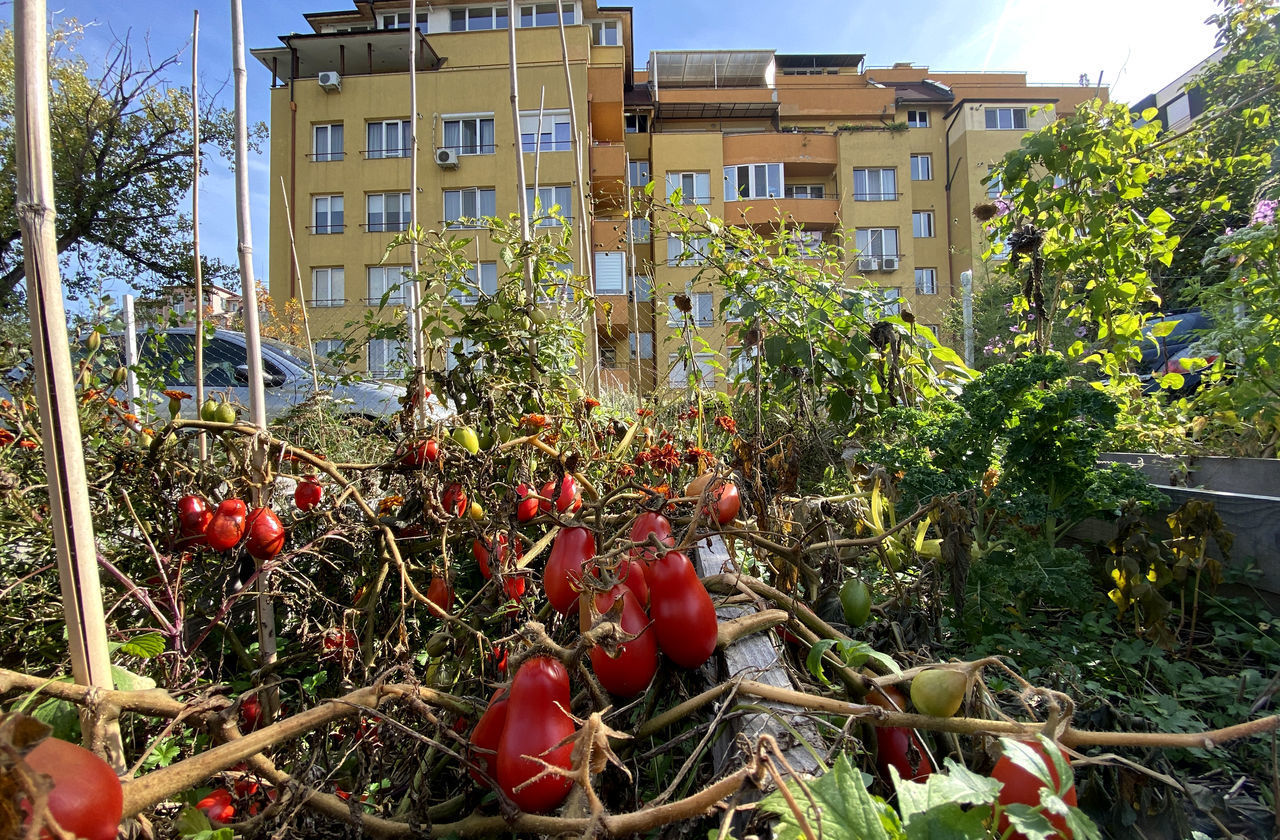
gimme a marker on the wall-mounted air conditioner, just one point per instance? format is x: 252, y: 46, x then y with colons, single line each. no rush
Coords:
x: 446, y: 158
x: 330, y: 81
x: 889, y: 264
x: 868, y: 264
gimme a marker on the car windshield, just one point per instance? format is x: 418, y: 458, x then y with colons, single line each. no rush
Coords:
x: 304, y: 356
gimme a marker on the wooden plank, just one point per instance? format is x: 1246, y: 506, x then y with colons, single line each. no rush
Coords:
x: 755, y: 657
x: 1256, y: 476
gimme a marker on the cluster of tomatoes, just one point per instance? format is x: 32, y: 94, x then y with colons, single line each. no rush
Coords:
x: 222, y: 528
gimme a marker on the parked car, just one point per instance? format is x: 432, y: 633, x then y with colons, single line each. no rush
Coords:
x: 286, y: 375
x: 1162, y: 355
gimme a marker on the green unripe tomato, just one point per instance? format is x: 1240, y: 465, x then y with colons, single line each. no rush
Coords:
x: 855, y: 599
x: 94, y: 341
x: 119, y: 375
x: 225, y: 413
x: 466, y: 437
x: 209, y: 411
x: 939, y: 691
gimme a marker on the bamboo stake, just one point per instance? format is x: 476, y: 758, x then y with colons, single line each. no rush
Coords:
x: 252, y: 338
x: 592, y: 378
x: 634, y: 309
x: 521, y: 198
x: 195, y: 230
x: 417, y: 347
x: 306, y: 319
x: 537, y: 140
x: 70, y: 516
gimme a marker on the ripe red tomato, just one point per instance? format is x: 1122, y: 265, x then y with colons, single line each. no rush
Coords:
x: 527, y: 506
x: 540, y: 684
x: 251, y: 712
x: 632, y: 576
x: 489, y: 553
x: 563, y: 576
x: 650, y: 523
x: 421, y: 453
x: 338, y: 643
x: 631, y: 671
x: 227, y: 525
x: 440, y: 593
x: 217, y: 806
x: 308, y: 493
x: 901, y: 748
x: 454, y: 500
x: 485, y: 738
x: 86, y: 799
x: 1022, y: 787
x: 568, y: 497
x: 725, y: 502
x: 266, y: 534
x: 683, y: 615
x: 514, y: 586
x: 194, y: 515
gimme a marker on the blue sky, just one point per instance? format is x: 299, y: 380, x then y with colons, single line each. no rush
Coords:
x: 1137, y: 45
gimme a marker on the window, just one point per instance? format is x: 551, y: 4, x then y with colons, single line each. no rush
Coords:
x: 679, y: 377
x: 385, y: 357
x: 646, y: 345
x: 550, y: 198
x: 877, y: 242
x: 611, y: 273
x: 544, y: 14
x: 703, y: 312
x: 396, y: 20
x: 922, y: 224
x: 922, y: 167
x: 467, y: 206
x: 687, y: 252
x: 731, y: 308
x: 462, y: 351
x: 805, y: 191
x: 744, y: 364
x: 926, y: 281
x: 807, y: 242
x: 386, y: 281
x: 553, y: 135
x: 1007, y: 118
x: 638, y: 173
x: 917, y: 119
x: 326, y: 142
x: 477, y: 18
x: 388, y: 139
x: 635, y: 123
x: 554, y: 285
x: 875, y: 185
x: 639, y: 230
x: 994, y: 186
x: 889, y: 301
x: 326, y: 214
x: 328, y: 349
x: 756, y: 180
x: 606, y: 33
x: 469, y: 135
x: 643, y: 288
x: 479, y: 279
x: 694, y: 187
x: 327, y: 287
x: 387, y: 211
x: 608, y: 356
x: 1178, y: 111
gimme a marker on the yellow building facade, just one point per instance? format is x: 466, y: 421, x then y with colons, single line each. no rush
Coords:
x: 887, y: 162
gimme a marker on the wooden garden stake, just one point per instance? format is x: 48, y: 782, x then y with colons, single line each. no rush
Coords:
x: 306, y: 320
x: 195, y: 230
x: 70, y: 516
x: 417, y: 347
x: 252, y: 338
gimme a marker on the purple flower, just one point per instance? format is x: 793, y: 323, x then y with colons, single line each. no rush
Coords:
x: 1265, y: 212
x: 1003, y: 206
x: 1082, y: 331
x: 1031, y: 316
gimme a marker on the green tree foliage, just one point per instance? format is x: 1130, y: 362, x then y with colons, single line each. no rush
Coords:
x: 122, y: 148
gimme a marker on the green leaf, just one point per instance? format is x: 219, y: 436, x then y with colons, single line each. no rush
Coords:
x: 958, y: 784
x: 147, y: 646
x: 1163, y: 328
x: 126, y: 680
x: 840, y: 808
x: 814, y: 660
x: 193, y: 822
x: 1030, y: 822
x: 948, y: 822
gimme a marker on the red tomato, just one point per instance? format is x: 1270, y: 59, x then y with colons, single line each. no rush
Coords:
x: 266, y: 534
x: 632, y: 576
x: 251, y: 712
x: 485, y: 738
x: 683, y: 615
x: 569, y: 496
x: 563, y: 576
x: 725, y: 502
x: 86, y: 799
x: 454, y: 500
x: 1022, y: 787
x: 650, y: 523
x: 527, y: 506
x: 440, y: 593
x: 489, y: 553
x: 421, y: 453
x: 514, y: 586
x: 631, y: 671
x: 338, y: 643
x: 194, y: 515
x: 227, y: 525
x: 217, y: 806
x: 540, y: 684
x: 901, y: 748
x: 308, y: 493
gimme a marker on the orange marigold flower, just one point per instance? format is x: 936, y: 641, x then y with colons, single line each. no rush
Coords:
x: 27, y: 443
x: 5, y: 404
x: 591, y: 402
x: 728, y: 424
x: 90, y: 394
x: 552, y: 438
x: 112, y: 401
x: 6, y: 437
x: 175, y: 394
x: 534, y: 421
x: 131, y: 418
x: 147, y: 431
x: 645, y: 412
x: 389, y: 504
x: 626, y: 471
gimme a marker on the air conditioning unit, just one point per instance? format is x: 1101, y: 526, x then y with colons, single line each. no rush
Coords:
x: 330, y: 81
x: 446, y: 158
x: 889, y: 264
x: 868, y: 264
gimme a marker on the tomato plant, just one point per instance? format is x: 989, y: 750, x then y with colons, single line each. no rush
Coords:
x: 1023, y: 788
x: 683, y: 615
x: 86, y: 799
x: 490, y: 553
x: 563, y: 575
x: 308, y: 493
x: 339, y: 643
x: 227, y: 525
x: 650, y: 523
x: 539, y: 701
x: 217, y: 806
x: 421, y: 453
x: 725, y: 502
x: 627, y: 674
x: 897, y: 746
x: 266, y: 534
x: 632, y: 575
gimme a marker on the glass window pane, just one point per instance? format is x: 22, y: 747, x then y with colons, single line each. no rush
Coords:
x: 452, y: 140
x: 486, y: 137
x: 374, y: 144
x: 488, y: 203
x: 458, y: 20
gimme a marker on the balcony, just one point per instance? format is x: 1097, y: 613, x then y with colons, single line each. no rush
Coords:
x: 609, y: 176
x: 810, y: 213
x: 804, y: 155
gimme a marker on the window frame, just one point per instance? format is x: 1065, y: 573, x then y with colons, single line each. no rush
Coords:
x: 531, y: 129
x: 792, y: 191
x: 646, y: 347
x: 330, y: 281
x: 871, y: 237
x: 616, y: 264
x: 467, y: 13
x: 923, y: 220
x: 599, y: 27
x: 396, y: 297
x: 733, y: 182
x: 480, y: 276
x: 921, y: 167
x: 637, y: 169
x: 535, y: 10
x: 382, y: 152
x: 880, y: 195
x: 917, y: 118
x: 480, y: 194
x: 707, y: 379
x: 557, y: 192
x: 634, y: 122
x: 328, y: 154
x: 329, y: 227
x: 384, y: 226
x: 1013, y: 113
x: 696, y: 178
x: 479, y: 147
x: 695, y: 245
x: 926, y: 281
x: 389, y: 347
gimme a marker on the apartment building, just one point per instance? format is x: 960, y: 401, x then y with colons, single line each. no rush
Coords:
x: 887, y: 162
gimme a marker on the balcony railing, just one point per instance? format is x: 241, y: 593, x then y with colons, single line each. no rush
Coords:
x: 378, y: 154
x: 326, y: 229
x: 323, y: 157
x: 321, y: 303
